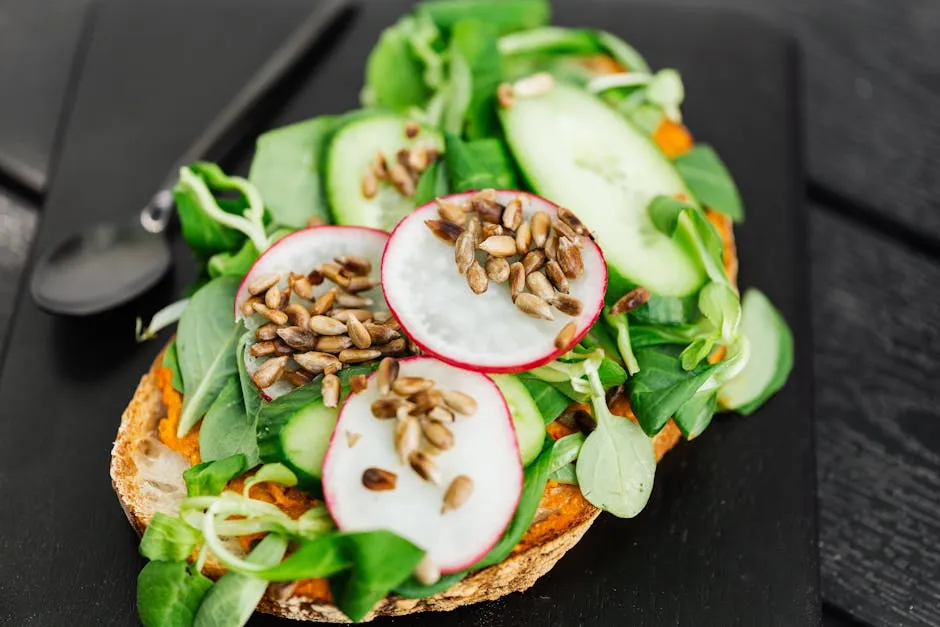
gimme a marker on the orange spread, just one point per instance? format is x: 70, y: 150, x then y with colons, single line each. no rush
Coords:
x: 673, y: 138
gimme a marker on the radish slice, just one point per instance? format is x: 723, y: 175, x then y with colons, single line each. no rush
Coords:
x: 301, y: 252
x: 484, y: 332
x: 484, y: 449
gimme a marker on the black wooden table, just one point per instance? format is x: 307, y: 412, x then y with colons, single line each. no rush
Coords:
x: 872, y: 83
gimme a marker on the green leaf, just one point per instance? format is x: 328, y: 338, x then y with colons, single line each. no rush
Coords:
x: 432, y: 184
x: 234, y: 597
x: 565, y: 451
x: 394, y: 73
x: 566, y: 474
x: 168, y: 594
x: 479, y: 164
x: 550, y: 401
x: 172, y: 362
x: 666, y: 310
x: 600, y: 336
x: 689, y: 227
x: 697, y: 352
x: 288, y: 168
x: 233, y: 263
x: 273, y: 473
x: 251, y: 396
x: 550, y: 40
x: 643, y: 336
x: 210, y: 478
x: 623, y: 53
x: 206, y: 346
x: 709, y: 180
x: 474, y: 41
x: 696, y: 414
x: 720, y: 305
x: 204, y: 235
x: 227, y: 429
x: 506, y: 16
x: 662, y: 386
x: 168, y: 539
x: 320, y: 557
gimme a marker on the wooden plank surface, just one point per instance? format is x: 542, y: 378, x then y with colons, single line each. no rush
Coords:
x: 877, y: 351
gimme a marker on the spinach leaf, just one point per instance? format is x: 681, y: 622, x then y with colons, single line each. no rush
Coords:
x: 666, y: 310
x: 171, y: 361
x: 272, y: 473
x: 662, y: 386
x: 204, y: 235
x: 689, y: 226
x: 565, y: 451
x: 709, y: 180
x: 168, y: 539
x: 232, y: 600
x: 168, y: 594
x: 394, y: 73
x: 227, y: 429
x: 411, y: 588
x: 550, y: 401
x: 236, y: 263
x: 599, y: 336
x: 550, y: 40
x: 206, y: 346
x: 210, y: 478
x: 251, y: 396
x: 323, y: 556
x: 473, y: 44
x: 566, y: 474
x: 696, y: 414
x: 478, y: 164
x: 288, y: 167
x: 643, y: 336
x: 506, y: 16
x: 432, y: 184
x: 623, y: 53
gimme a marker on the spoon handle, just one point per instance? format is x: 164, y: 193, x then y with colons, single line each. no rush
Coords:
x: 156, y: 215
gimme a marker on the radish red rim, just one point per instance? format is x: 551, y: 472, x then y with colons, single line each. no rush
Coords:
x: 484, y: 332
x: 485, y: 449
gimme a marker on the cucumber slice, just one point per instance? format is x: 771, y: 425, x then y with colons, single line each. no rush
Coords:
x: 295, y: 430
x: 579, y: 153
x: 771, y: 356
x: 526, y: 418
x: 350, y: 156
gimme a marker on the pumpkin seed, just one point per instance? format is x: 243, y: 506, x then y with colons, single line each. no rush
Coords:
x: 499, y: 246
x: 358, y: 333
x: 325, y: 325
x: 263, y: 283
x: 459, y: 402
x: 532, y: 305
x: 557, y: 276
x: 330, y: 390
x: 269, y: 372
x: 458, y: 493
x: 317, y: 362
x: 565, y: 336
x: 497, y: 269
x: 476, y: 278
x: 444, y: 230
x: 378, y: 479
x: 539, y: 285
x: 386, y: 374
x: 357, y: 355
x: 297, y: 338
x: 409, y: 386
x: 630, y: 301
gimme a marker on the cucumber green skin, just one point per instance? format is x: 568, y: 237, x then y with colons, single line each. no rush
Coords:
x: 274, y: 424
x: 784, y: 360
x: 348, y: 159
x: 526, y: 419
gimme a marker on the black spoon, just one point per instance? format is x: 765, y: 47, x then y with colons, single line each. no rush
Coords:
x: 112, y: 263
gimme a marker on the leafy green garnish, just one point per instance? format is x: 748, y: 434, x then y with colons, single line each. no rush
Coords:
x: 565, y: 451
x: 169, y: 593
x: 210, y: 478
x: 479, y: 164
x: 696, y: 413
x: 709, y: 180
x: 287, y: 169
x: 227, y: 429
x: 227, y: 263
x: 432, y: 184
x: 171, y: 361
x: 550, y: 40
x: 506, y: 16
x: 566, y: 474
x: 167, y: 316
x: 168, y: 539
x: 623, y: 53
x: 206, y: 346
x: 395, y: 74
x: 549, y: 399
x: 473, y: 43
x: 273, y: 473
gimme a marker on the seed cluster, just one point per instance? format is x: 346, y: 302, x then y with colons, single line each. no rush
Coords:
x: 536, y: 258
x: 319, y: 333
x: 404, y: 171
x: 422, y: 413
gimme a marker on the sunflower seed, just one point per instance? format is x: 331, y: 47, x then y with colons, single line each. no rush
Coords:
x: 475, y: 229
x: 297, y: 315
x: 281, y: 349
x: 266, y: 331
x: 440, y: 414
x: 324, y: 302
x: 523, y: 238
x: 450, y: 212
x: 248, y: 307
x: 504, y: 96
x: 418, y: 159
x: 358, y: 333
x: 315, y: 277
x: 459, y: 402
x: 458, y: 493
x: 444, y: 230
x: 344, y: 314
x: 381, y: 317
x: 272, y: 298
x: 386, y: 374
x: 568, y: 305
x: 297, y: 338
x: 426, y: 400
x: 330, y: 390
x: 369, y: 185
x: 499, y: 246
x: 557, y: 276
x: 388, y: 406
x: 551, y: 246
x: 565, y: 336
x: 516, y: 279
x: 422, y: 464
x: 381, y: 334
x: 429, y: 448
x: 380, y: 167
x: 407, y: 437
x: 437, y: 434
x: 512, y: 214
x: 566, y: 231
x: 532, y: 305
x: 358, y: 384
x: 357, y: 265
x: 533, y: 260
x: 534, y: 85
x: 488, y: 210
x: 297, y: 378
x: 263, y: 283
x: 317, y: 362
x: 335, y: 274
x: 427, y: 572
x: 260, y: 349
x: 476, y: 278
x: 283, y: 590
x: 360, y: 284
x: 395, y: 347
x: 357, y: 355
x: 325, y: 325
x: 433, y: 154
x: 488, y: 194
x: 401, y: 179
x: 497, y: 269
x: 411, y: 129
x: 275, y: 316
x: 352, y: 437
x: 402, y: 157
x: 409, y: 386
x: 269, y: 372
x: 345, y: 299
x: 413, y: 348
x: 463, y: 252
x: 630, y: 301
x: 569, y: 258
x: 490, y: 230
x: 566, y: 216
x: 539, y: 285
x: 540, y: 224
x: 378, y: 479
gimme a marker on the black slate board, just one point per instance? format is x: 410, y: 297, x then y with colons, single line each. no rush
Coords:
x: 729, y: 536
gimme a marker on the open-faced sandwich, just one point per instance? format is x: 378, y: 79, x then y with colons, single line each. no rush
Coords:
x: 437, y: 336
